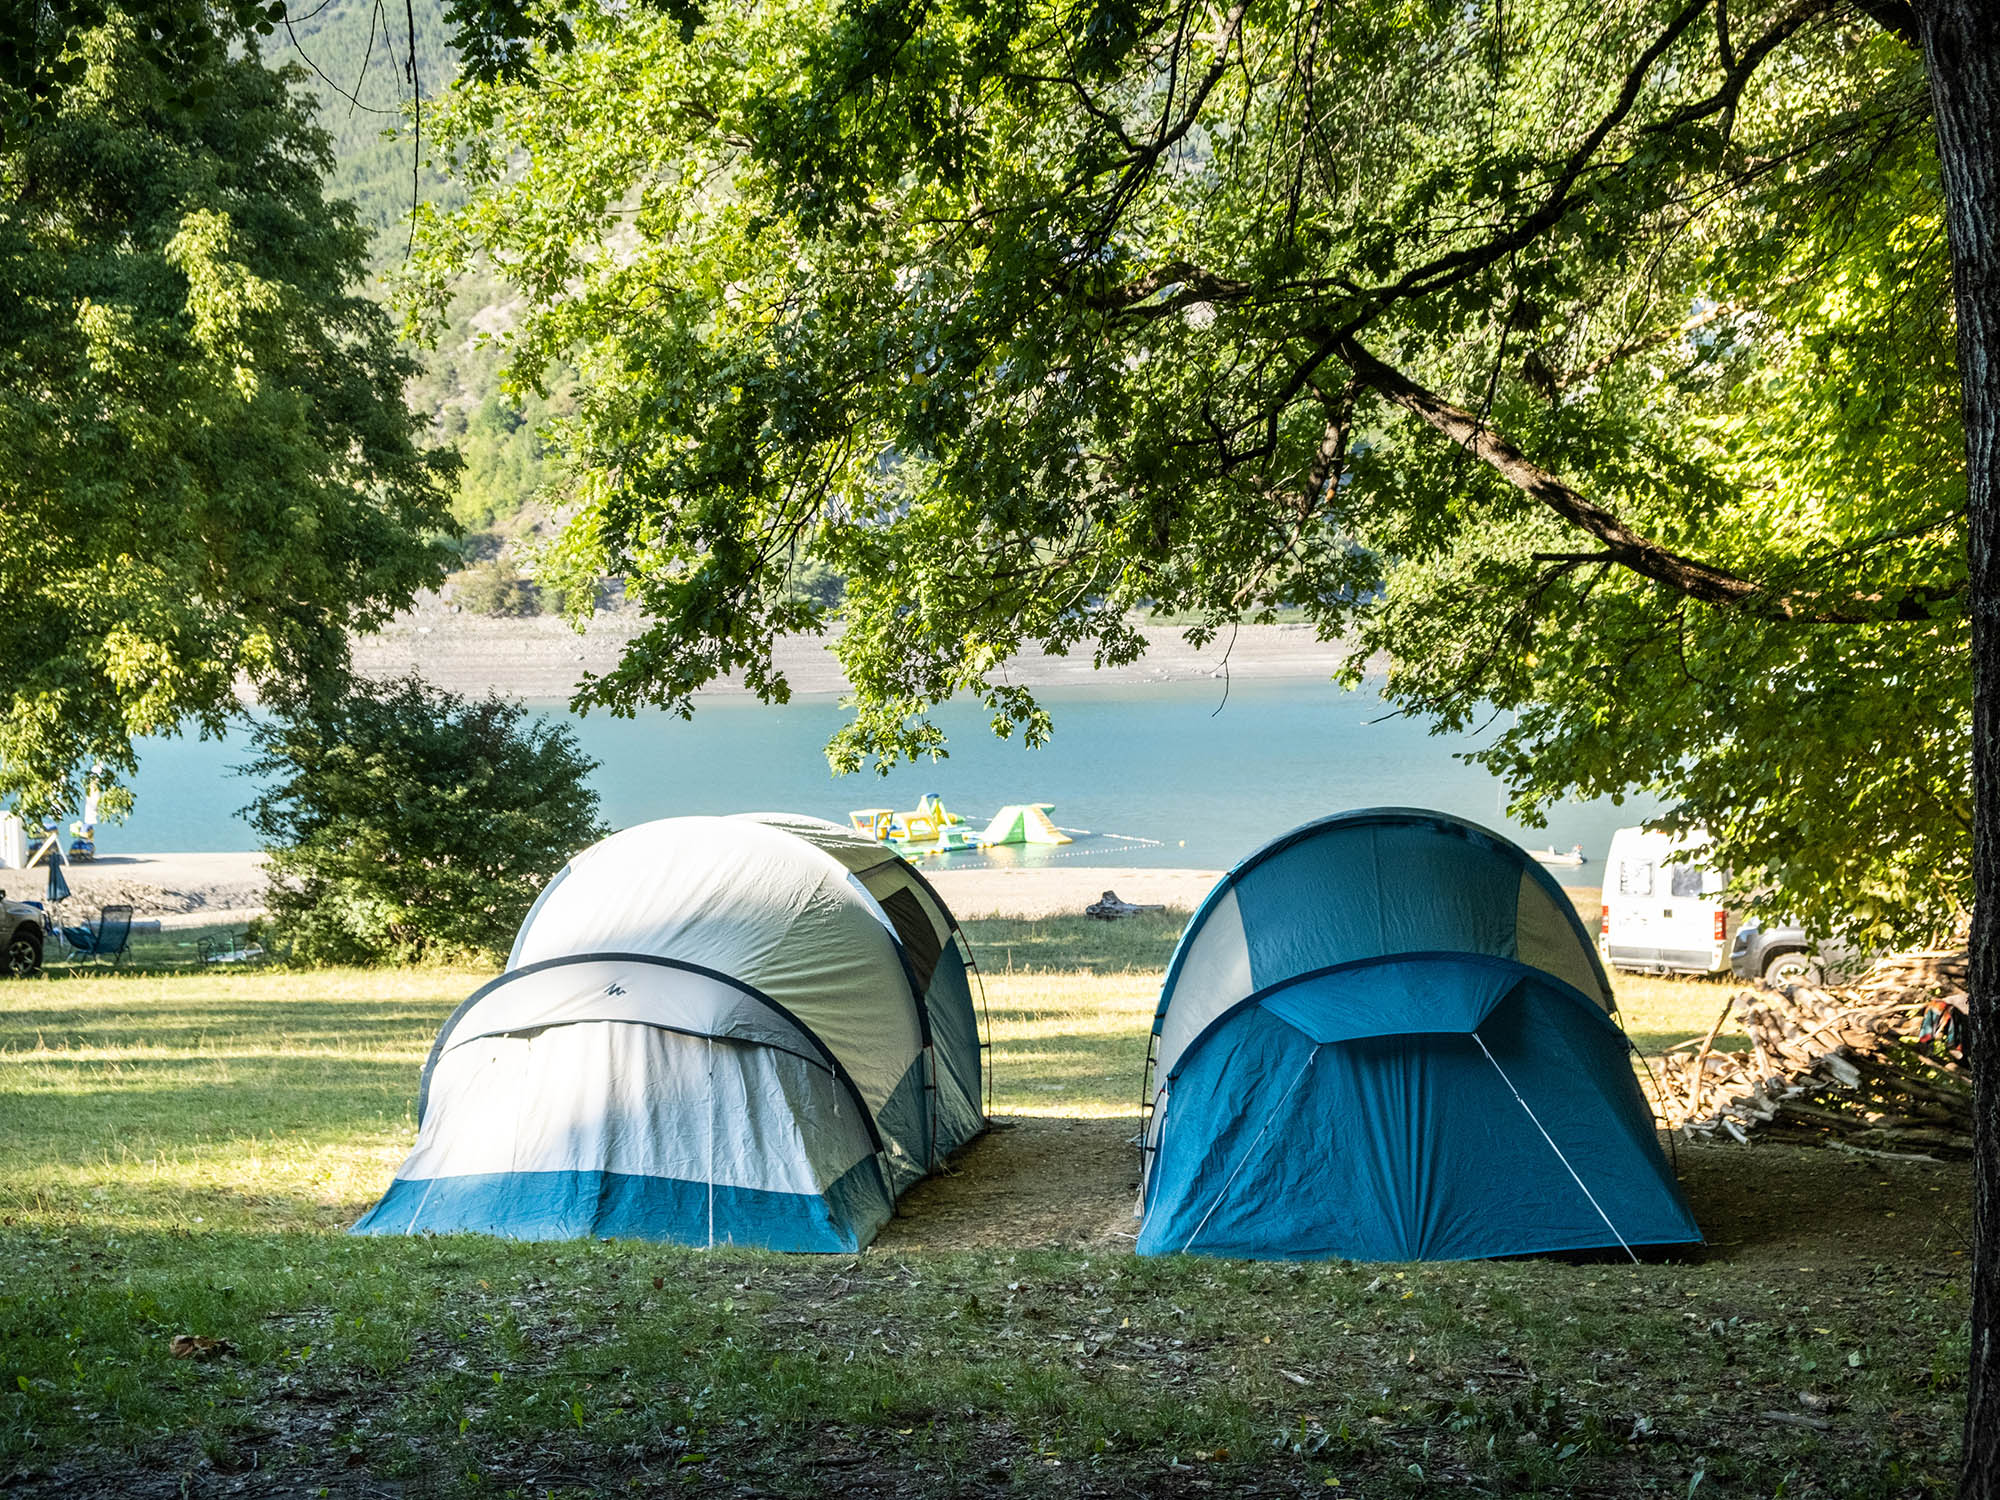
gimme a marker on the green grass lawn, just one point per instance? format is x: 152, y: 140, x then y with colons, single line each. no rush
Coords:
x: 179, y: 1152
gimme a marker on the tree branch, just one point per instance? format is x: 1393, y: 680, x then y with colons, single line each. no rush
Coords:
x: 1896, y: 17
x: 1141, y: 163
x: 1458, y: 264
x: 1622, y: 545
x: 1322, y: 479
x: 1738, y: 68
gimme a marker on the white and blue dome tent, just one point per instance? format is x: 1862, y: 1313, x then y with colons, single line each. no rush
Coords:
x: 748, y: 1030
x: 1387, y: 1036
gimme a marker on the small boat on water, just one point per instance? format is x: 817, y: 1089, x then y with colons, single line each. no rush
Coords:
x: 1571, y: 856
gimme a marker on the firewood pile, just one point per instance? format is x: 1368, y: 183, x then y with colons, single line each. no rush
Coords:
x: 1874, y: 1066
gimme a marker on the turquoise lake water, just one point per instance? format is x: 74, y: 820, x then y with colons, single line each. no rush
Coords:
x: 1155, y: 773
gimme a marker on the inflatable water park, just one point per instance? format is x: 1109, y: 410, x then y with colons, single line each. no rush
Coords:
x: 933, y: 828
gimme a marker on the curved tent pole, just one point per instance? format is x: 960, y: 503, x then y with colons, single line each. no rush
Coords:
x: 833, y: 1063
x: 1149, y: 1149
x: 810, y: 1059
x: 1358, y: 817
x: 1146, y: 1093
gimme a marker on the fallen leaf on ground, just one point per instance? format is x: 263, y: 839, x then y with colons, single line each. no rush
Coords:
x: 199, y: 1346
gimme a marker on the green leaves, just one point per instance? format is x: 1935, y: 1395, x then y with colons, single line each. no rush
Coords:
x: 1025, y: 316
x: 205, y: 456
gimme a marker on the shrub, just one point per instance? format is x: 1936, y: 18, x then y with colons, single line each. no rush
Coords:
x: 405, y: 824
x: 819, y: 582
x: 478, y: 546
x: 496, y: 588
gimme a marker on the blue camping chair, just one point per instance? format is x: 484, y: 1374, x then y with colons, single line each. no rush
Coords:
x: 107, y: 938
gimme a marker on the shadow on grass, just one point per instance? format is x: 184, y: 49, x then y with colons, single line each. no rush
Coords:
x: 591, y: 1368
x: 153, y: 1207
x: 177, y: 950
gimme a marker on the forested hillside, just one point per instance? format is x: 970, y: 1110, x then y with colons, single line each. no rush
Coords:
x: 357, y: 55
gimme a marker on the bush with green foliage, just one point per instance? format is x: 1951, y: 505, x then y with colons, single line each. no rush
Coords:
x: 405, y: 824
x: 496, y: 588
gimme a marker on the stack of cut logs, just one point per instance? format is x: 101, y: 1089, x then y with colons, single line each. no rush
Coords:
x: 1872, y: 1066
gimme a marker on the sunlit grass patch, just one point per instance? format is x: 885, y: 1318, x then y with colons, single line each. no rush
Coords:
x: 1076, y: 944
x: 1658, y: 1010
x: 280, y: 1100
x: 1069, y: 1044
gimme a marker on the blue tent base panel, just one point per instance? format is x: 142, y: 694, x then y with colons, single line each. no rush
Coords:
x: 613, y: 1205
x: 1291, y: 1138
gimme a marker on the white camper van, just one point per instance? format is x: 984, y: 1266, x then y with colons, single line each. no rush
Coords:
x: 1661, y: 917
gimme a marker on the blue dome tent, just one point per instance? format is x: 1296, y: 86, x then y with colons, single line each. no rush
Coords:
x: 1387, y: 1036
x: 752, y: 1030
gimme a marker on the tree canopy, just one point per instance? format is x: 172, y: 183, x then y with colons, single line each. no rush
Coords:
x: 207, y: 469
x: 1594, y: 361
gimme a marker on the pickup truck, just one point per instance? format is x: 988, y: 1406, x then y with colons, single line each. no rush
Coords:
x: 1783, y: 954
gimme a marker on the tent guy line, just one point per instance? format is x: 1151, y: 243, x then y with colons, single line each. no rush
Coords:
x: 1555, y: 1148
x: 1244, y: 1160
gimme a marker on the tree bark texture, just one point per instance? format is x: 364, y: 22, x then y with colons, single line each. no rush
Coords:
x: 1961, y: 42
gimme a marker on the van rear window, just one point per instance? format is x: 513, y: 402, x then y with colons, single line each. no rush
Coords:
x: 1685, y: 879
x: 1635, y: 877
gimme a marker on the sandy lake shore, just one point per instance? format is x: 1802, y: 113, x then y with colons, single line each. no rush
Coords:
x: 180, y: 889
x: 223, y: 888
x: 542, y: 659
x: 202, y: 889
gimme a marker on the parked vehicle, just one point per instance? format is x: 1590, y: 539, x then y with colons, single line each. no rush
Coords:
x: 26, y: 929
x: 1784, y: 953
x: 1661, y: 917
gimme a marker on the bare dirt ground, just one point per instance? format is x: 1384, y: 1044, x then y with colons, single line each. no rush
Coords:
x: 1051, y: 1183
x: 1029, y: 1181
x: 1805, y: 1208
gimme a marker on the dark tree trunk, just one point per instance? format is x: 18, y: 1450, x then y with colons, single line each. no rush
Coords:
x: 1961, y: 42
